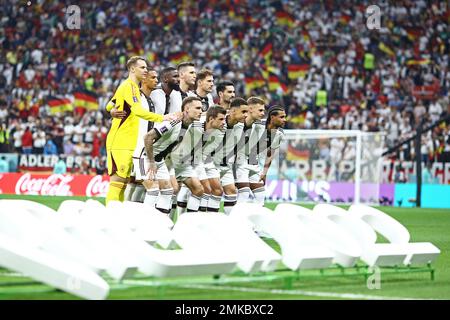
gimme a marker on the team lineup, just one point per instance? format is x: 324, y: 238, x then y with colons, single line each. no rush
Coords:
x: 170, y: 146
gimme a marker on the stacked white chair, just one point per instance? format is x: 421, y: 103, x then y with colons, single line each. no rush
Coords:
x: 45, y: 252
x: 415, y: 253
x: 345, y: 248
x: 219, y: 234
x: 301, y: 248
x: 72, y: 248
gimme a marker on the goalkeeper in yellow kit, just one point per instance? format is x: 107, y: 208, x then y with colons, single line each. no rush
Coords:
x: 123, y: 134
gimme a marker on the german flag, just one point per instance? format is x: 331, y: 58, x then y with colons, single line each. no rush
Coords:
x: 296, y: 71
x: 293, y: 154
x: 151, y: 57
x: 344, y: 19
x: 253, y: 83
x: 298, y: 119
x: 267, y: 71
x: 413, y: 34
x: 58, y: 104
x: 235, y: 42
x: 275, y: 83
x: 266, y: 51
x: 417, y: 62
x: 86, y: 100
x: 285, y: 19
x: 231, y: 12
x: 179, y: 57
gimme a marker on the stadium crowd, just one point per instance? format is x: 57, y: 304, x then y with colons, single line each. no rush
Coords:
x: 369, y: 76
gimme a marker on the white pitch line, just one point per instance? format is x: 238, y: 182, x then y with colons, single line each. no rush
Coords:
x: 12, y: 274
x: 298, y: 292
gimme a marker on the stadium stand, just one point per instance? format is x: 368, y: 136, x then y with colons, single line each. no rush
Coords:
x: 318, y: 59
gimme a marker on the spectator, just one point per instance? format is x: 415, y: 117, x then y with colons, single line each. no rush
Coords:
x: 96, y: 144
x: 60, y: 167
x: 435, y: 111
x: 27, y: 141
x: 427, y: 177
x: 4, y: 165
x: 4, y: 138
x: 50, y: 147
x: 419, y: 112
x: 400, y: 174
x: 100, y: 167
x: 3, y: 112
x: 38, y: 141
x: 69, y: 148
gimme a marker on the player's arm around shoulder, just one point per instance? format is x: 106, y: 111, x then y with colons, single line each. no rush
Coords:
x: 154, y: 117
x: 114, y: 111
x: 131, y: 95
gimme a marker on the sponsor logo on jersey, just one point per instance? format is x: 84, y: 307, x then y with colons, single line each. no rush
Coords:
x: 163, y: 129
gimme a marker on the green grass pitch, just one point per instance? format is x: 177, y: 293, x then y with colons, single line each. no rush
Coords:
x: 424, y: 225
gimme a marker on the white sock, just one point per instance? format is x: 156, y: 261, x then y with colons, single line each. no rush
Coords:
x: 151, y: 196
x: 164, y: 203
x: 214, y: 203
x: 243, y: 195
x: 138, y: 194
x: 204, y: 202
x: 182, y: 199
x: 129, y: 190
x: 260, y: 195
x: 228, y: 202
x: 193, y: 203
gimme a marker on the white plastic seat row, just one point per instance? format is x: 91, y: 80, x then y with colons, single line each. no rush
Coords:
x: 220, y: 235
x: 116, y: 239
x: 45, y: 253
x: 373, y: 253
x: 301, y: 248
x: 345, y: 248
x: 92, y: 238
x: 349, y: 235
x: 416, y: 253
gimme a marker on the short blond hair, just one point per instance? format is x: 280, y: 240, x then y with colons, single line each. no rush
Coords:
x: 255, y: 100
x: 133, y: 60
x: 202, y: 74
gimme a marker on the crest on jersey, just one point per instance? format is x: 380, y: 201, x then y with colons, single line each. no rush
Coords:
x: 135, y: 99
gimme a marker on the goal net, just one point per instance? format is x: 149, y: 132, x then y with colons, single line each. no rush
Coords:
x: 334, y: 166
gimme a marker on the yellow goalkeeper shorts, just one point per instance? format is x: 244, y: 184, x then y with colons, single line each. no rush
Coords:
x: 120, y: 162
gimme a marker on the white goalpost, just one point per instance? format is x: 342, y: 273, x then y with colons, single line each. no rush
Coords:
x: 333, y: 166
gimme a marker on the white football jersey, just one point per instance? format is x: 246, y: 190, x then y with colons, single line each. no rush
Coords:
x: 207, y: 101
x: 144, y: 126
x: 226, y: 153
x: 248, y: 146
x: 169, y: 134
x: 212, y: 140
x: 272, y: 139
x: 189, y: 150
x: 160, y: 101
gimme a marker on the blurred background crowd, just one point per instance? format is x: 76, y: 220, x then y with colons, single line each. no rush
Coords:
x: 316, y: 58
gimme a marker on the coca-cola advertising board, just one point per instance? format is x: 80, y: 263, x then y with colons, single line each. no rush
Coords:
x: 54, y: 184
